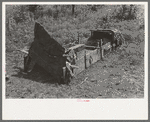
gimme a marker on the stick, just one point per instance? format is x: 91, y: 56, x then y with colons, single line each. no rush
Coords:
x: 92, y: 47
x: 24, y: 51
x: 73, y: 66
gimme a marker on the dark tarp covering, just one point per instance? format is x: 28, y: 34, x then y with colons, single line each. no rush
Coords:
x: 49, y: 44
x: 47, y: 52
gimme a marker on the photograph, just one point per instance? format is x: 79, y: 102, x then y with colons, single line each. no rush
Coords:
x: 75, y: 51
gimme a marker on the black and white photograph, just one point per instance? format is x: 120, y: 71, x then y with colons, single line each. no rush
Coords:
x: 72, y: 51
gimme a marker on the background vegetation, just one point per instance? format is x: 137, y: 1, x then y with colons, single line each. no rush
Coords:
x: 66, y: 22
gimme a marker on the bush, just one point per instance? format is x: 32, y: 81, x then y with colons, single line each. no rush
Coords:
x: 64, y: 27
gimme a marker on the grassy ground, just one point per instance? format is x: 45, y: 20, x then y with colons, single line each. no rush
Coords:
x: 117, y: 76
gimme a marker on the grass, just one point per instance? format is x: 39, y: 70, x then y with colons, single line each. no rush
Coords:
x: 111, y: 78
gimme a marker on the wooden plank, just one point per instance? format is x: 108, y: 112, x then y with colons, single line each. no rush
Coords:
x: 80, y: 54
x: 80, y: 63
x: 77, y: 48
x: 88, y: 60
x: 92, y: 47
x: 95, y: 58
x: 91, y: 57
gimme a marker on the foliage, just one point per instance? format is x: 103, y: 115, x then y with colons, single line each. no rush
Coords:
x: 67, y: 27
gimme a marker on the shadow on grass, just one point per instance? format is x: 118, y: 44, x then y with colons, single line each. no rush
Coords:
x: 38, y: 74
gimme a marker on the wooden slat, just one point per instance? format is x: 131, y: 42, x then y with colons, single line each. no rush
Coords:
x: 94, y: 55
x: 80, y: 63
x: 92, y: 47
x: 76, y: 46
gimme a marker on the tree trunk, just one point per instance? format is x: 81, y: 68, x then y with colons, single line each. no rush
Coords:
x: 123, y: 11
x: 130, y: 12
x: 73, y: 6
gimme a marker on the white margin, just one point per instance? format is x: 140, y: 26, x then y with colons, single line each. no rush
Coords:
x: 69, y: 109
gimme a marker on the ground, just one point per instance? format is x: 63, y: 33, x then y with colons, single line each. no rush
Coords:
x: 116, y: 76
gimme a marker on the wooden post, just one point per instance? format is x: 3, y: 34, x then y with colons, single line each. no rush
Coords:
x: 25, y: 63
x: 98, y: 47
x: 112, y: 42
x: 98, y: 44
x: 64, y: 73
x: 110, y: 48
x: 101, y: 42
x: 102, y: 53
x: 101, y: 56
x: 85, y: 59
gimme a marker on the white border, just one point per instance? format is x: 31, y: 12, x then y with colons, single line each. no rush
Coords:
x: 69, y: 109
x: 77, y: 3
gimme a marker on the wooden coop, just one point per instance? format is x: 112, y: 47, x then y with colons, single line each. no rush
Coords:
x: 62, y: 63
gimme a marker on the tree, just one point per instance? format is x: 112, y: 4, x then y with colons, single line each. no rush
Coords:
x: 124, y: 9
x: 56, y: 11
x: 33, y: 9
x: 93, y: 8
x: 132, y: 12
x: 73, y: 7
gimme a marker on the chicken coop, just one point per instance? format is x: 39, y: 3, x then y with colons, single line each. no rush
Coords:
x: 64, y: 64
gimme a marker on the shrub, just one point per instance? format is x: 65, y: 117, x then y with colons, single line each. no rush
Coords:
x: 65, y: 28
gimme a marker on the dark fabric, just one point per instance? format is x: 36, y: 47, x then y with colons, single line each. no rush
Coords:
x: 51, y: 46
x: 47, y: 52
